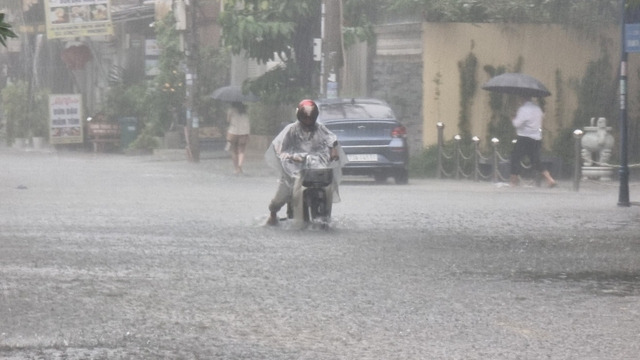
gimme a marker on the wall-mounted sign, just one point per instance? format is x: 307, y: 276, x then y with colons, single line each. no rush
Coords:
x: 76, y: 18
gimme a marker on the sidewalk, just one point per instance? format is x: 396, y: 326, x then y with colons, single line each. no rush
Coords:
x: 219, y: 161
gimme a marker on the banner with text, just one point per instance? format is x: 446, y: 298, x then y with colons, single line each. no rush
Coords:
x: 65, y: 114
x: 75, y: 18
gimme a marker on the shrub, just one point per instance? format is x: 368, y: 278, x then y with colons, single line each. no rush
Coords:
x: 144, y: 141
x: 425, y: 163
x: 20, y: 123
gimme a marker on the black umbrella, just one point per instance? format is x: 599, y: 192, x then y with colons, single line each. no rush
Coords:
x: 233, y: 94
x: 517, y: 84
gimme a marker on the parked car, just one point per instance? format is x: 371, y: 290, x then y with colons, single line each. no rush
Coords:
x: 371, y: 136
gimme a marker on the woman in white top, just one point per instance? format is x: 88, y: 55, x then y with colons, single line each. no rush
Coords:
x: 238, y: 133
x: 528, y: 124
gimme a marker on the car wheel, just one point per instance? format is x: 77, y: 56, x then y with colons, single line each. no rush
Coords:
x: 401, y: 177
x: 380, y: 177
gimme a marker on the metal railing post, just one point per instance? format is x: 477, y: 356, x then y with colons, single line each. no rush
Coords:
x: 577, y: 135
x: 476, y: 146
x: 440, y: 146
x: 495, y: 143
x: 457, y: 150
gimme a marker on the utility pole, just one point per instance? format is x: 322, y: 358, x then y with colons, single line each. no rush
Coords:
x: 331, y: 47
x: 193, y: 140
x: 623, y: 191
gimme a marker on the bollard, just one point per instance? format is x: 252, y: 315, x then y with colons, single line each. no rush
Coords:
x: 440, y: 145
x: 457, y: 152
x: 476, y: 143
x: 577, y: 135
x: 496, y: 171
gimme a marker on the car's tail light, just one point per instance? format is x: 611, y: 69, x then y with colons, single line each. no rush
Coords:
x: 399, y: 131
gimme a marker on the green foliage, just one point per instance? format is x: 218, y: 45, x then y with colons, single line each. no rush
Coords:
x: 502, y: 108
x: 158, y: 105
x: 126, y: 101
x: 359, y: 19
x: 280, y: 85
x: 5, y: 31
x: 270, y: 119
x: 169, y: 83
x: 468, y: 86
x: 15, y: 100
x: 425, y: 163
x: 437, y: 79
x: 564, y: 146
x: 597, y: 97
x: 26, y: 114
x: 213, y: 72
x: 583, y: 14
x: 596, y: 92
x: 283, y: 29
x: 39, y: 112
x: 263, y: 28
x: 500, y: 122
x: 144, y: 141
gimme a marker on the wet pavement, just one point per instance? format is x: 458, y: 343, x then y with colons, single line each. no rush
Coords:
x: 142, y: 257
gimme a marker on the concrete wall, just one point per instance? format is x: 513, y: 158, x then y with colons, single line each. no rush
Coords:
x: 400, y: 84
x: 544, y: 49
x: 397, y: 76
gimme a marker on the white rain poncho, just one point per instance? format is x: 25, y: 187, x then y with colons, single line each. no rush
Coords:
x: 294, y: 142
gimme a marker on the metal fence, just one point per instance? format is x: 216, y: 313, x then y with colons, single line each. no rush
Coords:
x: 454, y: 163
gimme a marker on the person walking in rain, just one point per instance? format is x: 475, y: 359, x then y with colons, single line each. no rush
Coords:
x: 528, y: 125
x: 238, y: 134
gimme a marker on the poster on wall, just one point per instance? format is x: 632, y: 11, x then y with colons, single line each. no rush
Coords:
x: 76, y: 18
x: 65, y: 119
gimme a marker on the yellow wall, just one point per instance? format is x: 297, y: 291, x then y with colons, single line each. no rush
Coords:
x: 544, y: 49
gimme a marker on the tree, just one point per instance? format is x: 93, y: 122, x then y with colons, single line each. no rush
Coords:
x: 284, y: 29
x: 578, y: 13
x: 5, y: 31
x: 280, y: 29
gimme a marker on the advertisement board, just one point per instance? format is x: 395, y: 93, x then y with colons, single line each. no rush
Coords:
x: 65, y: 118
x: 77, y: 18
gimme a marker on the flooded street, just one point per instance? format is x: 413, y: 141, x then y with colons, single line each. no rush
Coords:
x: 111, y: 256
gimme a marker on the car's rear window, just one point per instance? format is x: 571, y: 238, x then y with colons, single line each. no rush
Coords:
x: 355, y: 111
x: 361, y: 129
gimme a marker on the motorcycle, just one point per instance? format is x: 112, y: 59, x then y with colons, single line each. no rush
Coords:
x: 309, y: 176
x: 313, y: 192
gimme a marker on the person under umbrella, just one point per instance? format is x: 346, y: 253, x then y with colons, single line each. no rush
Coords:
x: 238, y: 134
x: 528, y: 125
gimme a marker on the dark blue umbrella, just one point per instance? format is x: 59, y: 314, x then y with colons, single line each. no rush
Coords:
x: 517, y: 84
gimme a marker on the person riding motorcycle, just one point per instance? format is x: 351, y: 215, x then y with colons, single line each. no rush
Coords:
x: 289, y: 149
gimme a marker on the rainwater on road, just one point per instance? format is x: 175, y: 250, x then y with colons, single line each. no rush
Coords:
x: 110, y: 256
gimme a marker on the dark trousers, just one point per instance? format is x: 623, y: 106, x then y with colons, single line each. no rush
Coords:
x: 529, y: 147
